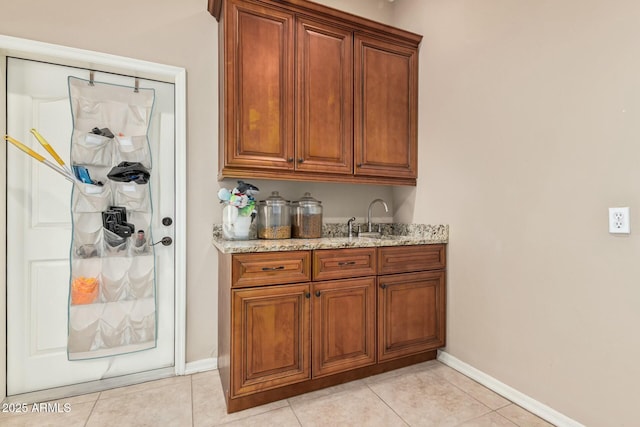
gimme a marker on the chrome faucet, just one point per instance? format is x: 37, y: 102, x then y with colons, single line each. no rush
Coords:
x: 386, y: 209
x: 350, y: 226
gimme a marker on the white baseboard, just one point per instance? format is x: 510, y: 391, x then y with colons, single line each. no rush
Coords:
x: 519, y: 398
x: 201, y: 365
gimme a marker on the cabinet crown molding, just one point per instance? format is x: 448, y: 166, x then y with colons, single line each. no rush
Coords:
x: 304, y: 7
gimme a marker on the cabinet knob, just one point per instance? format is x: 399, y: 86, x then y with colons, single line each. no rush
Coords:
x: 290, y: 160
x: 383, y: 286
x: 307, y: 295
x: 317, y: 293
x: 359, y: 165
x: 300, y: 160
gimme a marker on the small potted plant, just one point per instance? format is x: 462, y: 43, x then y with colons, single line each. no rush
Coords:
x: 238, y: 210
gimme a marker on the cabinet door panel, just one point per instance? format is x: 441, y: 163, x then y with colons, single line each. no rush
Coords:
x: 411, y: 313
x: 385, y: 108
x: 259, y: 87
x: 270, y: 338
x: 325, y: 98
x: 343, y: 325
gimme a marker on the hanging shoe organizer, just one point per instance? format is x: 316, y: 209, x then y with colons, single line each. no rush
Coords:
x: 112, y: 298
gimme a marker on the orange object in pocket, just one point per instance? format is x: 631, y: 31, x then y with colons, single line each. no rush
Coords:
x: 84, y: 290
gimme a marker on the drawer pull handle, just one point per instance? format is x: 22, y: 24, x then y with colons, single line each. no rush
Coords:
x: 346, y: 263
x: 317, y: 293
x: 383, y: 286
x: 280, y: 267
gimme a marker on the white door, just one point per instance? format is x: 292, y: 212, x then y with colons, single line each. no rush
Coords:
x: 39, y: 232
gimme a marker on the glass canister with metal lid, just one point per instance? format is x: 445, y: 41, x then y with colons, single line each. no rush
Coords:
x: 274, y: 218
x: 306, y: 218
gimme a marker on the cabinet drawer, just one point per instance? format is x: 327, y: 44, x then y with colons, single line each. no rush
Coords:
x: 329, y: 264
x: 272, y: 268
x: 404, y: 259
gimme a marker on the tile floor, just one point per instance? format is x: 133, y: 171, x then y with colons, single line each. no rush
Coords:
x: 427, y: 394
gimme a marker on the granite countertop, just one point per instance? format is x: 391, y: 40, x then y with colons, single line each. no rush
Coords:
x: 334, y: 238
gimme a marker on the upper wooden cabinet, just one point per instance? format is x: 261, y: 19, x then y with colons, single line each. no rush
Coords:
x: 258, y: 88
x: 386, y: 106
x: 324, y: 103
x: 311, y: 93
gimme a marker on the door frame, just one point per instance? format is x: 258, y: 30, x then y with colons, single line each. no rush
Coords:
x: 39, y: 51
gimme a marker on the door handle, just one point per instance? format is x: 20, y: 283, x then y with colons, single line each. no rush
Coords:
x: 166, y: 241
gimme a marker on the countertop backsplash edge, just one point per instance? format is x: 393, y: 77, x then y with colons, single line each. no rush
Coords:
x: 334, y: 237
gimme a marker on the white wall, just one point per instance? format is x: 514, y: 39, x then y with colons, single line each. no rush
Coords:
x: 529, y: 131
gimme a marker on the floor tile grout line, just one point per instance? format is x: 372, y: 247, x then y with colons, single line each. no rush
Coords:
x: 294, y: 412
x: 95, y: 402
x: 484, y: 415
x: 193, y: 421
x: 388, y: 405
x: 473, y: 397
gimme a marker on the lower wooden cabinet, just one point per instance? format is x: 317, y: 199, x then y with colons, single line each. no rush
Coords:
x: 271, y: 332
x: 343, y: 336
x: 279, y: 340
x: 271, y: 346
x: 411, y: 313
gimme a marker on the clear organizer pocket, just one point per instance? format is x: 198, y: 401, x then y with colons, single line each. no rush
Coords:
x: 88, y: 113
x: 136, y: 120
x: 114, y: 327
x: 114, y: 245
x: 84, y: 328
x: 91, y: 149
x: 134, y: 196
x: 87, y: 235
x: 142, y: 320
x: 132, y: 149
x: 114, y: 279
x: 91, y: 198
x: 140, y: 243
x: 141, y: 277
x: 85, y: 281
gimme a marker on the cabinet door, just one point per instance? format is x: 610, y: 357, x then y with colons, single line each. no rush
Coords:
x: 258, y: 87
x: 343, y: 325
x: 385, y: 108
x: 324, y: 139
x: 411, y: 313
x: 270, y: 338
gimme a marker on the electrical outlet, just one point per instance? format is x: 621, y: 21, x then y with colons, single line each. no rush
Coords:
x: 619, y: 221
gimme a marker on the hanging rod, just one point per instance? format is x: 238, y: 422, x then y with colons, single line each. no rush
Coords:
x: 137, y: 86
x: 91, y: 76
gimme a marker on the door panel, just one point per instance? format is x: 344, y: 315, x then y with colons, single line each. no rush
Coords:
x: 259, y: 86
x: 270, y: 338
x: 39, y: 232
x: 411, y: 313
x: 325, y: 98
x: 343, y: 325
x: 385, y: 108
